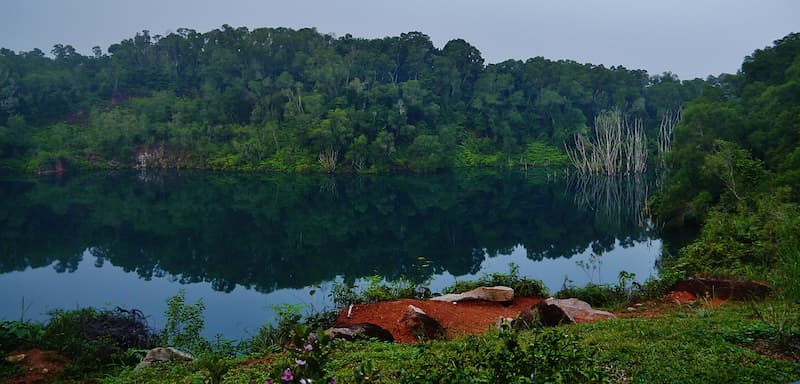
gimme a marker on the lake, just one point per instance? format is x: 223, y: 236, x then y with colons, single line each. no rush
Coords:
x: 246, y: 243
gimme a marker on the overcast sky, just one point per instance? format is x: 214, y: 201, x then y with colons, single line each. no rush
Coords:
x: 692, y: 38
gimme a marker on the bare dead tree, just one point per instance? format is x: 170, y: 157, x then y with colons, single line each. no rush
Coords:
x: 636, y: 147
x: 616, y: 148
x: 328, y: 159
x: 666, y: 129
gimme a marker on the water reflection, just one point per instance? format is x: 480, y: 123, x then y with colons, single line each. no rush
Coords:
x: 276, y: 234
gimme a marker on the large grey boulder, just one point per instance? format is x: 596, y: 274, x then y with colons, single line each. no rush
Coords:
x: 163, y: 354
x: 567, y: 311
x: 497, y: 294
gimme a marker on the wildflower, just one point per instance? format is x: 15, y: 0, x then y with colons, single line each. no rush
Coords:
x: 287, y: 375
x: 300, y: 362
x: 333, y: 380
x: 308, y: 347
x: 305, y: 381
x: 267, y: 382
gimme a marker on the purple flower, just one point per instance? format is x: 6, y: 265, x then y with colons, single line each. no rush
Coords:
x: 300, y: 362
x: 287, y: 375
x: 267, y: 382
x: 333, y: 380
x: 308, y: 347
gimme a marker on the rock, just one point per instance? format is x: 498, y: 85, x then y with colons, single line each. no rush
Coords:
x: 567, y: 311
x: 416, y: 309
x: 421, y: 325
x: 163, y: 354
x: 526, y: 319
x: 361, y: 330
x: 497, y: 294
x: 723, y: 288
x: 631, y: 309
x: 15, y: 358
x: 504, y: 323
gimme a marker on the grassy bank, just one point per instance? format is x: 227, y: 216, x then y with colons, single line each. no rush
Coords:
x: 686, y: 344
x: 661, y: 342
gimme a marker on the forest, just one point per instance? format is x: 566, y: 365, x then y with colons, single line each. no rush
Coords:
x: 297, y: 100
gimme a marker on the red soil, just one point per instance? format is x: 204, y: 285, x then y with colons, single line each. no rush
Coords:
x: 460, y: 319
x: 39, y: 367
x: 682, y: 297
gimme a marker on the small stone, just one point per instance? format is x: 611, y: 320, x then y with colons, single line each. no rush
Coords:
x: 15, y: 358
x: 639, y: 305
x: 417, y: 310
x: 632, y: 309
x: 45, y: 370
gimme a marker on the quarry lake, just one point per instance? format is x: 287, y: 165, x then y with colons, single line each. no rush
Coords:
x: 246, y: 243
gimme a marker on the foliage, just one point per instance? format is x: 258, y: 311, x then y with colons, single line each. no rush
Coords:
x: 184, y: 324
x: 745, y: 240
x: 603, y: 295
x: 19, y: 334
x: 687, y: 346
x: 93, y: 339
x: 782, y: 323
x: 543, y: 154
x: 272, y: 337
x: 522, y: 286
x: 376, y: 289
x: 298, y: 100
x: 308, y: 357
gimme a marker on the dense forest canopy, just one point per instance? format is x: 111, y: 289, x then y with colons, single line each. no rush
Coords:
x: 736, y: 169
x: 283, y: 99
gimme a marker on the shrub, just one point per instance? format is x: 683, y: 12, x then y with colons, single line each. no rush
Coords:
x: 94, y: 339
x: 522, y: 286
x: 19, y: 334
x: 184, y: 323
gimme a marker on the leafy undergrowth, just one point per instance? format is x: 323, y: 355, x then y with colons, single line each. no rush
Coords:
x: 730, y: 343
x: 693, y: 344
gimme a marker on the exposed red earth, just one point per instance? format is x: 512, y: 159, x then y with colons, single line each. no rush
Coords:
x: 466, y: 317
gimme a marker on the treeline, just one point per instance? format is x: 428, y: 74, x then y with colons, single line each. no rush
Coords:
x: 283, y: 99
x: 736, y: 170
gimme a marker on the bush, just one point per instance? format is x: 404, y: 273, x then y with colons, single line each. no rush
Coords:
x: 16, y: 335
x: 522, y: 286
x: 184, y: 323
x: 94, y: 339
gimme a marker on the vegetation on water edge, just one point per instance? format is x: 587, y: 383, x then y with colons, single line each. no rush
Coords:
x: 297, y: 100
x: 692, y: 343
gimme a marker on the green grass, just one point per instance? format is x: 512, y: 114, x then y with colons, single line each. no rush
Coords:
x: 690, y: 345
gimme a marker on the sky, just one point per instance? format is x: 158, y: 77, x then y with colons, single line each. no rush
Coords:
x: 691, y: 38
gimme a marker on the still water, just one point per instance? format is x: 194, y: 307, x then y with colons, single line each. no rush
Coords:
x: 245, y: 243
